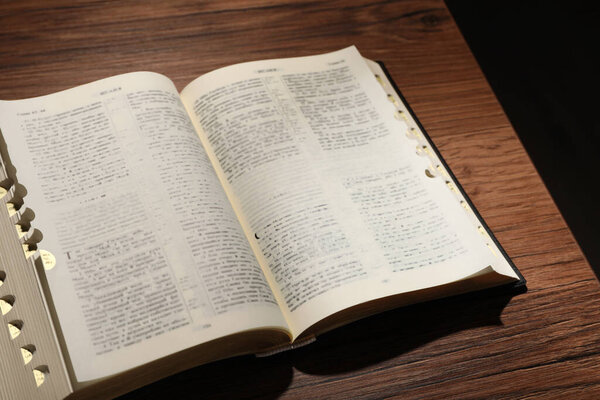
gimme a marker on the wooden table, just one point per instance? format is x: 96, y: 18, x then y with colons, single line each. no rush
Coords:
x: 542, y: 344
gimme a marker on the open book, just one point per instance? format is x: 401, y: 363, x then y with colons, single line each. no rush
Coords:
x: 265, y: 204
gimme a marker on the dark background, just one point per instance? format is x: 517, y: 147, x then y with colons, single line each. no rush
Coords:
x: 541, y: 59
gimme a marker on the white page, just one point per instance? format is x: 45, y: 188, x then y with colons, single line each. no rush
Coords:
x: 150, y: 256
x: 329, y: 189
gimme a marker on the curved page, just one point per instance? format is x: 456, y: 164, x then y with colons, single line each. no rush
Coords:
x: 150, y: 256
x: 329, y: 188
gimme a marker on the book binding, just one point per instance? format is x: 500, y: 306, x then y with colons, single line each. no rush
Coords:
x: 31, y: 363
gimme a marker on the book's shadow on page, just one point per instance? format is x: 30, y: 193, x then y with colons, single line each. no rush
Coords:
x: 368, y: 342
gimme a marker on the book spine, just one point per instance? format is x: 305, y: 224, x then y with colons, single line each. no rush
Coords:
x: 289, y: 346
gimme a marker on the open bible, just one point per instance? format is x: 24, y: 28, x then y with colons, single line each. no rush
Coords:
x: 147, y: 231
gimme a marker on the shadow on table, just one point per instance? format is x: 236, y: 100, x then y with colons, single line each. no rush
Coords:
x: 353, y: 347
x: 541, y: 60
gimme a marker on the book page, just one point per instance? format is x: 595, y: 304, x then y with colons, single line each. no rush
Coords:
x: 150, y: 256
x: 330, y: 190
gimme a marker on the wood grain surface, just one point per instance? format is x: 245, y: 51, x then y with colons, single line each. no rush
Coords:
x: 541, y: 344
